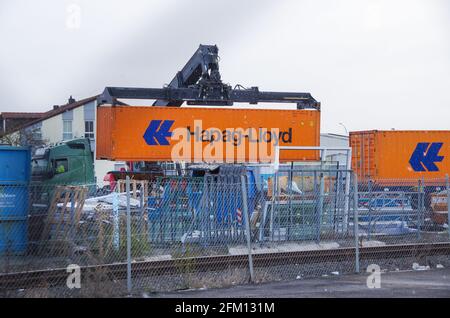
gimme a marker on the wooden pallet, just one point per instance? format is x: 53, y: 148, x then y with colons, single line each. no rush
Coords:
x: 60, y: 226
x: 135, y: 187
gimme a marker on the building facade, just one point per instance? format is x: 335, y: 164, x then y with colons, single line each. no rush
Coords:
x: 335, y: 140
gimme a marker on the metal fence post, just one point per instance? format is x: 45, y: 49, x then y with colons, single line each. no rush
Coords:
x: 320, y: 206
x: 272, y: 210
x: 72, y: 215
x: 424, y: 208
x: 128, y: 235
x: 116, y: 220
x: 447, y: 185
x: 142, y: 210
x: 356, y: 221
x: 290, y: 222
x: 347, y: 194
x: 369, y: 225
x: 247, y: 227
x: 419, y: 208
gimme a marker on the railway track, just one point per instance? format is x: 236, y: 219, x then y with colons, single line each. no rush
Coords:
x: 54, y: 277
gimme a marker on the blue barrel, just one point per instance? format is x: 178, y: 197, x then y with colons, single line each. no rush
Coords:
x: 15, y: 173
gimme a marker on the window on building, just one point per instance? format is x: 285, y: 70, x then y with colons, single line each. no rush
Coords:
x: 37, y: 134
x: 67, y: 129
x: 89, y: 129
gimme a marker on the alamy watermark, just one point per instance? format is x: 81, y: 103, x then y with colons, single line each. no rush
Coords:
x: 229, y: 145
x: 74, y: 278
x: 374, y: 279
x: 73, y: 16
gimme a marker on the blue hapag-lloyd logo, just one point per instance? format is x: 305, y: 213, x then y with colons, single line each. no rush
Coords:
x: 197, y: 144
x: 425, y: 156
x: 157, y: 132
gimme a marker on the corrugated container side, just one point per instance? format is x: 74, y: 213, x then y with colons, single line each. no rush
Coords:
x: 105, y: 130
x: 15, y: 173
x: 121, y: 130
x: 363, y: 154
x: 401, y: 155
x: 15, y: 164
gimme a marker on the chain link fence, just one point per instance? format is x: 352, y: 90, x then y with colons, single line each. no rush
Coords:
x: 410, y: 217
x: 219, y: 230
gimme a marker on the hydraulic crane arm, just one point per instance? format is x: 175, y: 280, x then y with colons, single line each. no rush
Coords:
x: 203, y: 65
x: 196, y: 96
x: 199, y: 83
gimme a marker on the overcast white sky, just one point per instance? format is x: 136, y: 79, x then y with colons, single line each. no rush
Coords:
x: 375, y: 64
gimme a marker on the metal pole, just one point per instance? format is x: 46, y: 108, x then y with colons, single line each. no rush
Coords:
x: 115, y: 207
x: 347, y: 188
x: 141, y: 207
x: 337, y: 202
x: 323, y: 158
x: 128, y: 235
x: 370, y: 209
x: 320, y: 207
x: 276, y: 167
x: 290, y: 180
x: 272, y: 209
x: 419, y: 208
x: 423, y: 210
x: 72, y: 214
x: 447, y: 185
x: 355, y: 221
x: 247, y: 227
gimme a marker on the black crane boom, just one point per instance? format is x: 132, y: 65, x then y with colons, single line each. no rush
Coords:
x: 200, y: 83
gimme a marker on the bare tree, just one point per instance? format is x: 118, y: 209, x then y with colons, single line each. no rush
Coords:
x: 29, y: 136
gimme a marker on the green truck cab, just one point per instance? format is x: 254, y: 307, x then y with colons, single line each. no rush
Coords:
x: 66, y: 163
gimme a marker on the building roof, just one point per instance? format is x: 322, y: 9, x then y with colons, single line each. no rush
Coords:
x: 56, y: 111
x: 331, y: 135
x: 64, y: 108
x: 20, y: 115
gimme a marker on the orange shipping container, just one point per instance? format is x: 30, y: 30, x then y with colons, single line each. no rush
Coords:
x: 150, y: 133
x: 406, y: 155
